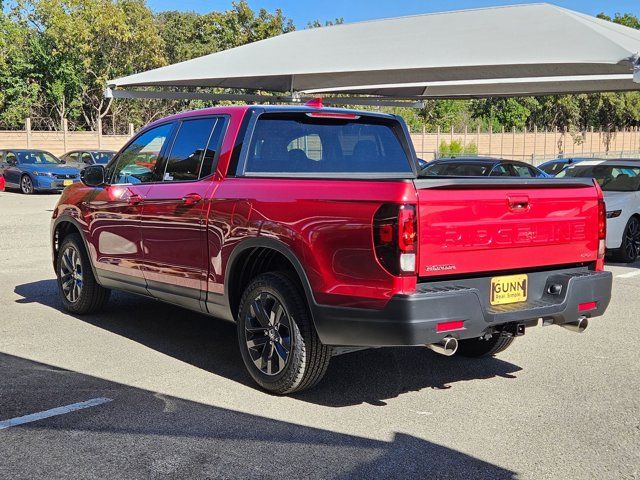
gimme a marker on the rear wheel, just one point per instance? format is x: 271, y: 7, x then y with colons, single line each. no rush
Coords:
x: 630, y: 248
x: 278, y: 342
x: 484, y: 347
x: 26, y: 185
x: 79, y: 290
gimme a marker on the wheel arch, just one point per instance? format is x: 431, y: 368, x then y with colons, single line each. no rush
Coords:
x: 62, y: 227
x: 259, y: 255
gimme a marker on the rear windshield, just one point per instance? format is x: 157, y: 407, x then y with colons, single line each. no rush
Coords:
x: 611, y: 178
x: 299, y: 144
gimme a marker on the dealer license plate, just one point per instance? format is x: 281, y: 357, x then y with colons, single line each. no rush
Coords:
x: 66, y: 183
x: 510, y: 289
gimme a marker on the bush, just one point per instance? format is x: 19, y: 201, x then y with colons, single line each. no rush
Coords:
x: 456, y: 149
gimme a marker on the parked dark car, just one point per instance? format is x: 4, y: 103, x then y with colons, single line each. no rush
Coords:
x: 554, y: 167
x: 481, y: 167
x: 82, y: 158
x: 35, y: 170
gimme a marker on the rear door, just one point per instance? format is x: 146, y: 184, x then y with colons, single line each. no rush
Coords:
x: 468, y: 226
x: 174, y: 212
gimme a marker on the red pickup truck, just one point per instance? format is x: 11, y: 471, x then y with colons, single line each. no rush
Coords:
x: 314, y: 230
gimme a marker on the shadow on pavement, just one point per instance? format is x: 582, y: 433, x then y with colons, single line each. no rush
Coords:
x: 142, y: 434
x: 370, y: 376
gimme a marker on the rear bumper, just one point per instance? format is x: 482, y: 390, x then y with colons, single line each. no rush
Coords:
x: 412, y: 319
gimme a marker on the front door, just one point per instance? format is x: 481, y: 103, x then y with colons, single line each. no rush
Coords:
x: 10, y: 169
x: 174, y: 213
x: 113, y: 213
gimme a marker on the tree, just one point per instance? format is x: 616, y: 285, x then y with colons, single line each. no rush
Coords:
x: 327, y: 23
x: 18, y: 93
x: 77, y: 45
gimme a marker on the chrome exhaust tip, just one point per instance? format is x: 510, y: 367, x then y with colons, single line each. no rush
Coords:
x: 447, y: 347
x: 577, y: 327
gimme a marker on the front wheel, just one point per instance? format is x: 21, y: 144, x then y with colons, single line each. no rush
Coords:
x: 630, y: 248
x: 79, y: 290
x: 26, y: 185
x: 484, y: 347
x: 278, y: 342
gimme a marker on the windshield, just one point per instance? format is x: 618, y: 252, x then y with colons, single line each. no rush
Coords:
x: 303, y: 144
x: 102, y: 158
x: 462, y: 169
x: 37, y: 158
x: 611, y: 178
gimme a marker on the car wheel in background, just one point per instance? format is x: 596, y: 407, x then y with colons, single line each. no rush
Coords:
x: 630, y: 247
x: 26, y: 185
x: 278, y: 342
x: 481, y: 347
x: 79, y: 291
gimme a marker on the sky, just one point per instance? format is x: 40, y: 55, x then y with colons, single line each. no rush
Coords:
x: 304, y: 11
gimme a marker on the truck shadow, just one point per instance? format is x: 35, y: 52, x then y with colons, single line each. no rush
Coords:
x: 369, y: 376
x: 142, y: 434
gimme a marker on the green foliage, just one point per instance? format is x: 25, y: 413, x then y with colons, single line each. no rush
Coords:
x: 57, y: 55
x: 456, y: 149
x: 328, y: 23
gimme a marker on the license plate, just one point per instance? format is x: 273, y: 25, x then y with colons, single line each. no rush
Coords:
x: 510, y: 289
x: 66, y: 183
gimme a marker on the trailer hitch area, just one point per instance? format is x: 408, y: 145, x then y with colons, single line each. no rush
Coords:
x: 511, y: 329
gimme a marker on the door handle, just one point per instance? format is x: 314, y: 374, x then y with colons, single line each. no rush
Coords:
x: 191, y: 199
x: 134, y: 199
x: 518, y: 203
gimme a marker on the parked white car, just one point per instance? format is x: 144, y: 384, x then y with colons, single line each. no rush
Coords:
x: 620, y: 182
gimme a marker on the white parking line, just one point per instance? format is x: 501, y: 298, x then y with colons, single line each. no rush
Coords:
x: 629, y: 275
x: 53, y: 412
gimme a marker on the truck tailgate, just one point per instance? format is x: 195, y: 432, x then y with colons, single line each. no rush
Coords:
x: 508, y: 224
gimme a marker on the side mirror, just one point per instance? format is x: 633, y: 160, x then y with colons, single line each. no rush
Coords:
x: 63, y: 161
x: 93, y: 176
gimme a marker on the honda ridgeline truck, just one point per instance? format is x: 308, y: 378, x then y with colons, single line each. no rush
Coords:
x: 314, y: 230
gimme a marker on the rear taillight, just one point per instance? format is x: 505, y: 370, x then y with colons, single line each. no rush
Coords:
x: 602, y: 228
x: 602, y: 219
x: 395, y: 236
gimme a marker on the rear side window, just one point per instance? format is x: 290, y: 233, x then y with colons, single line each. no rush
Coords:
x: 194, y: 150
x: 299, y: 144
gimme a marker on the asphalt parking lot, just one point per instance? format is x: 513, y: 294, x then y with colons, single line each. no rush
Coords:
x: 175, y: 401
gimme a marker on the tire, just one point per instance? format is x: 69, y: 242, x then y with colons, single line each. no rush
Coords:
x: 280, y: 347
x: 80, y: 292
x: 26, y: 185
x: 630, y: 247
x: 479, y: 347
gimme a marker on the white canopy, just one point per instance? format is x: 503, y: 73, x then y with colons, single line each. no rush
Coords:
x: 516, y: 50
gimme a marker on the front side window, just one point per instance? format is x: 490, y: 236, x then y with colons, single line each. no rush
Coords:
x: 86, y: 158
x: 302, y: 144
x: 10, y: 157
x: 193, y: 151
x: 136, y: 164
x: 522, y: 171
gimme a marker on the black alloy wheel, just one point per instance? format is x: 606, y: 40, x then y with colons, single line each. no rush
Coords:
x: 268, y: 334
x: 630, y: 248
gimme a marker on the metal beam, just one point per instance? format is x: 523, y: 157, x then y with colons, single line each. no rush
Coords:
x: 255, y: 98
